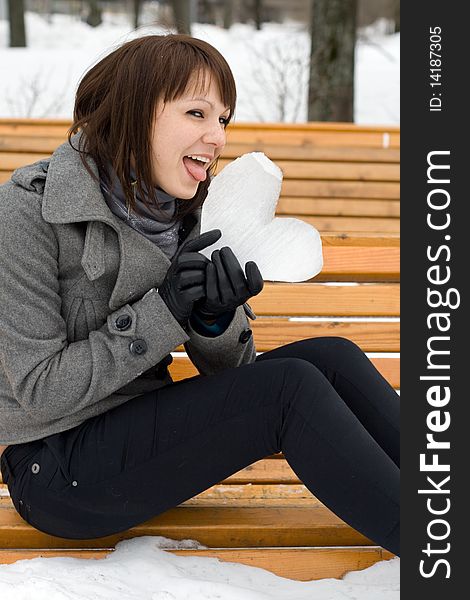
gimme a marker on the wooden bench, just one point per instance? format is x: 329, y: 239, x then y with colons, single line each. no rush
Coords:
x: 344, y: 180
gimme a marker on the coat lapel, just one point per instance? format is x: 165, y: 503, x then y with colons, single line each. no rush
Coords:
x: 71, y: 196
x: 142, y: 266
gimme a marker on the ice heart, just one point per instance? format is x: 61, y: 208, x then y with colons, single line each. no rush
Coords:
x: 242, y: 203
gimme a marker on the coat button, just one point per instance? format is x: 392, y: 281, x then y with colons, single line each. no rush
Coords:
x: 138, y: 347
x: 123, y: 322
x: 245, y: 336
x: 35, y: 468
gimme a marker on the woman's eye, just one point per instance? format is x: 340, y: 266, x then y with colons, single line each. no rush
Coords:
x: 198, y: 113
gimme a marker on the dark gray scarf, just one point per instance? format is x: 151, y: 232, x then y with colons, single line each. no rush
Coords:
x: 158, y: 225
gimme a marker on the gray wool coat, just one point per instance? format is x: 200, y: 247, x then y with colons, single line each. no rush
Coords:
x: 82, y: 326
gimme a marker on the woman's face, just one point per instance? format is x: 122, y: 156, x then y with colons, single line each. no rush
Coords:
x: 194, y: 124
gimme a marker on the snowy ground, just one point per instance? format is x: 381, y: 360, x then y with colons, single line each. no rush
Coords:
x: 140, y: 569
x: 40, y: 81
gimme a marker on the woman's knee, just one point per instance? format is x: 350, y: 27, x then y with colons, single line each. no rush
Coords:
x: 287, y: 370
x: 334, y: 347
x: 344, y: 345
x: 298, y: 373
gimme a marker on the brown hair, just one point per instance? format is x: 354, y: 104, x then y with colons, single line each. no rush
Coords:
x: 116, y: 101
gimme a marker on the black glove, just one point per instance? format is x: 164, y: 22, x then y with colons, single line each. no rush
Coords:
x: 184, y: 282
x: 226, y: 284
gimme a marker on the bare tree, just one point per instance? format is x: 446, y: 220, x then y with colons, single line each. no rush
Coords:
x: 29, y: 98
x: 279, y: 79
x: 182, y: 14
x: 333, y: 40
x: 16, y: 19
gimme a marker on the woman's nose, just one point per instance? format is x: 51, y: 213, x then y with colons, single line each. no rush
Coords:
x: 215, y: 134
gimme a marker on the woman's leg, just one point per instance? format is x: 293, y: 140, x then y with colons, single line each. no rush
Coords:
x: 158, y: 450
x: 369, y: 395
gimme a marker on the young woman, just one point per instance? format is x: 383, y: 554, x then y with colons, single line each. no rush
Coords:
x: 102, y: 278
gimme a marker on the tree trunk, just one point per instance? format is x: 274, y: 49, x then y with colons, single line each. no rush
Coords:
x: 331, y: 83
x: 94, y: 16
x: 206, y: 12
x: 257, y: 8
x: 182, y: 16
x: 243, y: 10
x: 137, y: 10
x: 228, y: 14
x: 396, y: 14
x: 17, y: 28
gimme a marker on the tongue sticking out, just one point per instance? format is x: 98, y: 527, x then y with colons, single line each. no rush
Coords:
x: 195, y: 169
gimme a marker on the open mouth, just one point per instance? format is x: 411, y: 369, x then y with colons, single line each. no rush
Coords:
x: 196, y: 168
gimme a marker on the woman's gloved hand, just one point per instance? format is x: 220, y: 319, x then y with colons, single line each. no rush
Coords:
x: 185, y: 280
x: 227, y: 287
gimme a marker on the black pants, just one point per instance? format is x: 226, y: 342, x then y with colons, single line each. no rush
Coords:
x: 319, y: 401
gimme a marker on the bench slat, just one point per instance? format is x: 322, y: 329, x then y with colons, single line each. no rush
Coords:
x: 370, y: 336
x: 370, y: 238
x: 11, y: 141
x: 275, y: 125
x: 310, y: 152
x: 321, y: 138
x: 330, y: 126
x: 215, y: 527
x: 272, y: 470
x: 318, y: 299
x: 14, y: 160
x: 360, y: 263
x: 43, y: 129
x: 338, y: 207
x: 292, y: 169
x: 354, y: 225
x: 182, y: 368
x: 255, y: 495
x: 340, y: 189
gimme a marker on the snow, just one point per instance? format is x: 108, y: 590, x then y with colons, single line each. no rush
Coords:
x: 284, y: 249
x: 141, y: 569
x: 270, y: 67
x: 40, y: 81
